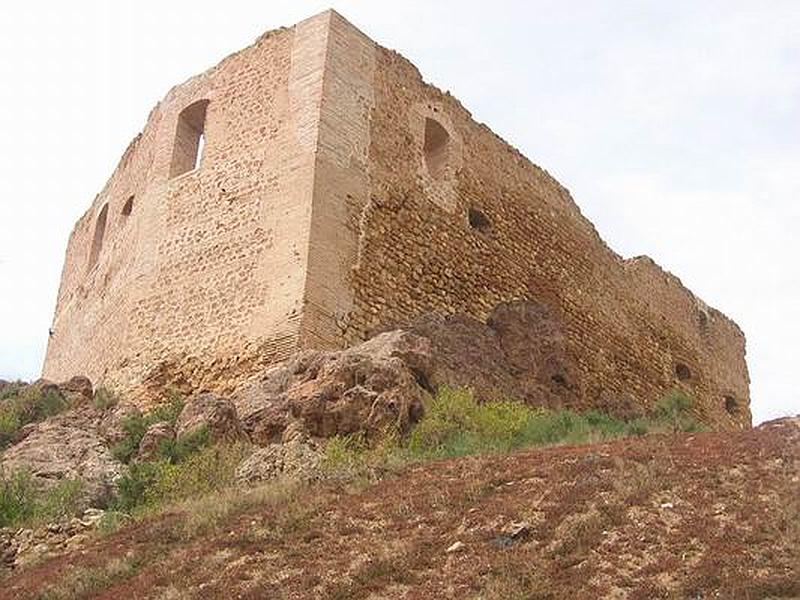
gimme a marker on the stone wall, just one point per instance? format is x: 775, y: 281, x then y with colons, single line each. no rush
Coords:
x: 338, y: 193
x: 206, y: 275
x: 485, y: 225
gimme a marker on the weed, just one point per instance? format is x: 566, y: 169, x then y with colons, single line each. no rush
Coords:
x: 200, y: 515
x: 22, y: 502
x: 210, y: 469
x: 104, y: 399
x: 177, y: 450
x: 454, y: 424
x: 22, y: 404
x: 673, y: 411
x: 136, y: 425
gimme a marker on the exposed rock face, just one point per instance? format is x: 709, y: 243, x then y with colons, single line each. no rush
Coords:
x: 208, y: 410
x: 296, y: 459
x: 372, y: 386
x: 67, y: 446
x: 153, y: 438
x: 77, y: 389
x: 519, y: 353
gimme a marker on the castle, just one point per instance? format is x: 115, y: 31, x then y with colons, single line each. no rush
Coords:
x: 311, y: 188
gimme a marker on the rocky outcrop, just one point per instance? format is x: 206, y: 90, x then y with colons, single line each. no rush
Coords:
x: 78, y: 389
x: 23, y: 546
x: 519, y: 352
x: 217, y: 415
x: 67, y: 446
x: 370, y: 387
x: 295, y: 459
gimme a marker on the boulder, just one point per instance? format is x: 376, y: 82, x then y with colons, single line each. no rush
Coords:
x: 296, y: 459
x: 77, y: 389
x: 67, y: 447
x: 215, y: 413
x: 371, y: 387
x: 153, y: 439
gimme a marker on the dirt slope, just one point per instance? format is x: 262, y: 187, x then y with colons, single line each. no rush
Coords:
x: 713, y: 515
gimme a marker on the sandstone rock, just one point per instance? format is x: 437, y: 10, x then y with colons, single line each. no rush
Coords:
x: 19, y: 547
x: 296, y: 460
x: 77, y: 389
x: 520, y: 353
x: 373, y: 386
x: 67, y: 447
x: 217, y: 414
x: 156, y: 435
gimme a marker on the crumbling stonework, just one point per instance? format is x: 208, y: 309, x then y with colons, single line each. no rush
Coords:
x: 337, y: 192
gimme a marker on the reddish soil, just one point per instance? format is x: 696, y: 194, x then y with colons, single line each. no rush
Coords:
x: 712, y: 515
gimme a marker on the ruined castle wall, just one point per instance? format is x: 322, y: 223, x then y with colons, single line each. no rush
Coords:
x: 207, y: 271
x: 338, y: 193
x: 631, y: 328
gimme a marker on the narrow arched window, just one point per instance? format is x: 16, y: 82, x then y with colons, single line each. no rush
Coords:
x: 127, y: 208
x: 99, y: 234
x: 436, y: 147
x: 187, y: 150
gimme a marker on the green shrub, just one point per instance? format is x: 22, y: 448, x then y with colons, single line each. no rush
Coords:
x: 152, y: 483
x: 176, y: 450
x: 673, y: 411
x: 136, y: 425
x: 210, y: 469
x: 112, y: 520
x: 10, y: 425
x: 133, y: 486
x: 17, y: 498
x: 23, y: 502
x: 11, y: 390
x: 22, y: 404
x: 344, y: 452
x: 104, y: 399
x: 455, y: 425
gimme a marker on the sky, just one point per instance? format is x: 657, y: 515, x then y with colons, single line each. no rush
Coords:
x: 675, y: 126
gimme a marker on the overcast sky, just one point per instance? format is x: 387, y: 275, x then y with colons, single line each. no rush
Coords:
x: 675, y: 125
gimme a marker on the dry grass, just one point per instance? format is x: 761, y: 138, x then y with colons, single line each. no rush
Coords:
x: 87, y: 582
x: 202, y: 515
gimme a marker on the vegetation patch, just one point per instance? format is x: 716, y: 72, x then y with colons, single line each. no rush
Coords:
x: 456, y: 425
x: 87, y: 582
x: 136, y: 425
x: 21, y: 404
x: 104, y: 399
x: 23, y: 503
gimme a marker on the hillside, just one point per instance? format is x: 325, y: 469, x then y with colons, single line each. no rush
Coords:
x: 690, y: 515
